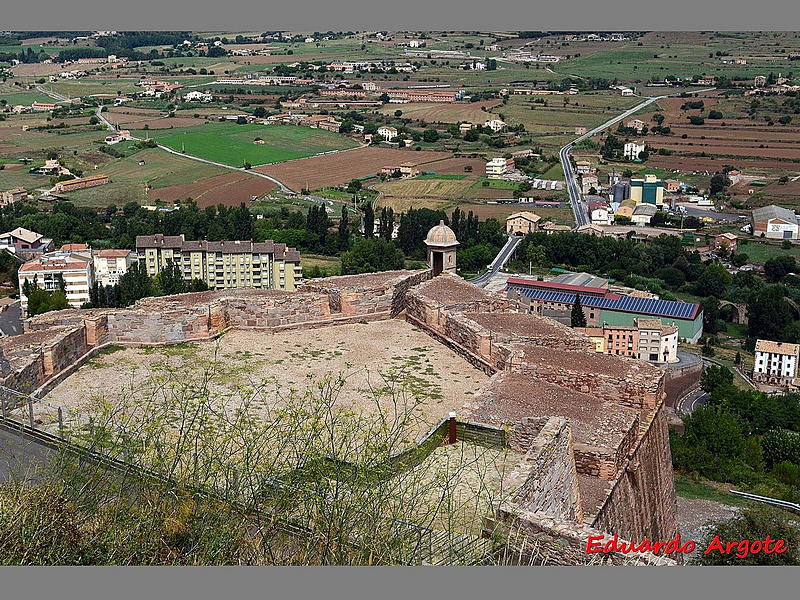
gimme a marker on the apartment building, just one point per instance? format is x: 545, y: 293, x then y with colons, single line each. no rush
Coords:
x: 499, y: 166
x: 776, y: 362
x: 646, y: 339
x: 224, y: 264
x: 47, y: 271
x: 110, y: 265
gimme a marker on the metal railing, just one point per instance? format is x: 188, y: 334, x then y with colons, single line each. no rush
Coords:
x: 767, y: 500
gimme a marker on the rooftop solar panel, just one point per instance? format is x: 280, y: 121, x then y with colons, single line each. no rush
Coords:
x: 646, y: 306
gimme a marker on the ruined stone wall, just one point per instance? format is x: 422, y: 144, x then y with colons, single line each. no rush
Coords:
x: 369, y: 294
x: 551, y: 486
x: 642, y: 504
x: 539, y: 539
x: 64, y: 351
x: 640, y: 393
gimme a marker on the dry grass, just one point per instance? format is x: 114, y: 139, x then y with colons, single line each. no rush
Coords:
x: 374, y: 357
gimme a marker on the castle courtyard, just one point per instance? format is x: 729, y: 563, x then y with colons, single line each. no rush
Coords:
x: 388, y: 364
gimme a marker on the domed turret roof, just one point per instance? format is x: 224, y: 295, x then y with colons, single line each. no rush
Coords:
x: 441, y: 235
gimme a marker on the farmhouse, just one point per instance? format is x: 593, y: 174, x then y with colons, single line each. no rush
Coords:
x: 465, y: 127
x: 774, y: 222
x: 522, y: 223
x: 12, y: 196
x: 78, y: 184
x: 633, y: 149
x: 387, y: 133
x: 421, y: 95
x: 583, y: 167
x: 636, y: 124
x: 43, y: 106
x: 409, y: 169
x: 197, y: 96
x: 495, y: 125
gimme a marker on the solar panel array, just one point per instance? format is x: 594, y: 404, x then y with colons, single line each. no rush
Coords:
x: 645, y: 306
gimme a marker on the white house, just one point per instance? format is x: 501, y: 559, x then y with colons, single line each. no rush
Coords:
x: 387, y: 133
x: 632, y: 150
x: 776, y: 362
x: 600, y: 213
x: 197, y: 96
x: 643, y: 213
x: 495, y: 125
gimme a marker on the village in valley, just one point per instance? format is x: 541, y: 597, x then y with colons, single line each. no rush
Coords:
x: 549, y: 277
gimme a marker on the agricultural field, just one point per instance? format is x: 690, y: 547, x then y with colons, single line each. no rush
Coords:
x: 685, y: 55
x: 441, y: 112
x: 163, y: 176
x: 337, y: 169
x: 233, y: 145
x: 748, y: 135
x: 551, y: 122
x: 230, y: 189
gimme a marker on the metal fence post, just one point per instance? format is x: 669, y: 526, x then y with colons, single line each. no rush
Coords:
x: 60, y: 423
x: 3, y: 404
x: 30, y: 411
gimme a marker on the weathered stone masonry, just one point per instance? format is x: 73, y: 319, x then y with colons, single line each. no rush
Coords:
x: 576, y: 416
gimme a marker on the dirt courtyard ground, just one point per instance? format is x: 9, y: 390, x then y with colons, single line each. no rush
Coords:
x: 264, y: 367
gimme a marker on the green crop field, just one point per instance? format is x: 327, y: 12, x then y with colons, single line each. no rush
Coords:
x: 758, y: 252
x: 233, y: 144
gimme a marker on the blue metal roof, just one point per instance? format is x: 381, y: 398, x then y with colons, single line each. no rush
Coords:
x: 644, y: 306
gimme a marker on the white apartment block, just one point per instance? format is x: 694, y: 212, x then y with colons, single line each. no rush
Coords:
x: 110, y: 265
x: 776, y: 362
x: 499, y: 166
x: 47, y: 270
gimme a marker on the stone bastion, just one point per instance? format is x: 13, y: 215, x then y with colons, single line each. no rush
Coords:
x: 589, y: 430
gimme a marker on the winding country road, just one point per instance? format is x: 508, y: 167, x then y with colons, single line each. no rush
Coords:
x: 283, y: 187
x: 579, y: 208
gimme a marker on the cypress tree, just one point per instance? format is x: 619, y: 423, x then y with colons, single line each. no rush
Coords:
x: 578, y: 318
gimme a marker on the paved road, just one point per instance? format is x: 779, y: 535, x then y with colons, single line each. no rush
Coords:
x: 579, y: 208
x: 11, y: 319
x: 284, y: 188
x: 18, y: 456
x: 501, y: 259
x: 56, y: 96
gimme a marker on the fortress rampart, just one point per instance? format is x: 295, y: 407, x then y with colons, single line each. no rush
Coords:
x: 591, y: 427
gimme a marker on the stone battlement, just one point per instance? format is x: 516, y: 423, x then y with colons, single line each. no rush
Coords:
x: 591, y: 427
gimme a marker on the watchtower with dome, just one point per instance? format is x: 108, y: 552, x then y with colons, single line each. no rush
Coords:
x: 442, y: 244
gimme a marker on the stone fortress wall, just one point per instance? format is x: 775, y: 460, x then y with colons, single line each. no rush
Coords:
x: 591, y: 427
